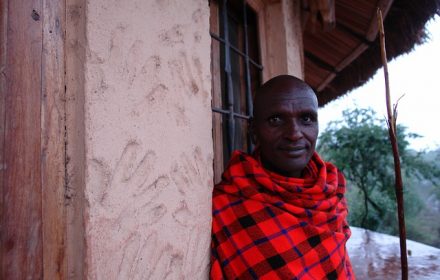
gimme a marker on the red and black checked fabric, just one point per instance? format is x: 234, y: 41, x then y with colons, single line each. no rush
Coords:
x: 266, y: 226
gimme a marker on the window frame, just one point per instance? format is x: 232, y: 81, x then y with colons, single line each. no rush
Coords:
x: 219, y: 15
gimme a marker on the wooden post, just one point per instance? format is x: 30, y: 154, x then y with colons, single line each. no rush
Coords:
x: 392, y: 129
x: 32, y: 144
x: 21, y: 221
x: 53, y: 159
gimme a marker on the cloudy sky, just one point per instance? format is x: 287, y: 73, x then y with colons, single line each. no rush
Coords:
x: 417, y: 77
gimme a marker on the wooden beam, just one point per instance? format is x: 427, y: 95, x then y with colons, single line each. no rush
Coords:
x: 21, y: 223
x: 347, y: 30
x: 3, y: 45
x: 370, y: 36
x: 217, y: 119
x: 326, y: 10
x: 384, y: 6
x: 320, y: 63
x: 344, y: 63
x: 53, y: 160
x: 75, y: 57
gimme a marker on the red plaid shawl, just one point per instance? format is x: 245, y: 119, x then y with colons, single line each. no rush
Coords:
x: 266, y: 226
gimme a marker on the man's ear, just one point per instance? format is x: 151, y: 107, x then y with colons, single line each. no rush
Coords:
x: 252, y: 131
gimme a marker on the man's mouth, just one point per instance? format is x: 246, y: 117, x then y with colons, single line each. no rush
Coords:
x: 293, y: 150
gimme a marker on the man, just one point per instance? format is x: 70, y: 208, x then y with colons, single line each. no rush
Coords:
x: 280, y: 213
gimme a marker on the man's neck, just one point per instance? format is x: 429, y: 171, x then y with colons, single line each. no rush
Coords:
x: 267, y: 165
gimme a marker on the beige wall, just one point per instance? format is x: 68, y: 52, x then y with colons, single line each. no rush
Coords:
x: 148, y: 139
x: 145, y: 117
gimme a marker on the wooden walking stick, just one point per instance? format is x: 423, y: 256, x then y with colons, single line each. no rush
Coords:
x: 392, y: 129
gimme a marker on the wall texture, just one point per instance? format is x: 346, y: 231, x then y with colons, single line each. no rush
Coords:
x: 148, y: 139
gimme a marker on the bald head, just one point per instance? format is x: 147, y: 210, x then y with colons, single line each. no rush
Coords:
x: 281, y: 85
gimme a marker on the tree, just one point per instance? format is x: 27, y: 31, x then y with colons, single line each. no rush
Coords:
x: 359, y: 146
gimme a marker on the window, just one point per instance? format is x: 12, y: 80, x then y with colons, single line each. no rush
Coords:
x: 236, y: 74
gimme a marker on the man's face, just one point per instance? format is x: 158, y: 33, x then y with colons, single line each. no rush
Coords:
x: 286, y: 128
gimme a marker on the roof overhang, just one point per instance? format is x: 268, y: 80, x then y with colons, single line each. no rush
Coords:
x: 341, y: 46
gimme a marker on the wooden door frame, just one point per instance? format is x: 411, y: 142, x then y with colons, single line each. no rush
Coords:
x: 38, y: 228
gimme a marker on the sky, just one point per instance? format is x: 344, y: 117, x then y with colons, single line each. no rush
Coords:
x: 416, y: 76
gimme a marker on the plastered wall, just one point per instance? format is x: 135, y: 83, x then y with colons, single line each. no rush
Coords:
x: 148, y: 139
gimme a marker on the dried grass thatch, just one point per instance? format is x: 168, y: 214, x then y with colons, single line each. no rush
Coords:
x: 404, y: 29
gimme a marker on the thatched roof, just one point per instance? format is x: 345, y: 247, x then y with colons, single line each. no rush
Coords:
x: 348, y: 56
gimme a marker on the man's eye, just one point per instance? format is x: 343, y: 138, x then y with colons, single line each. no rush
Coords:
x: 308, y: 119
x: 275, y: 120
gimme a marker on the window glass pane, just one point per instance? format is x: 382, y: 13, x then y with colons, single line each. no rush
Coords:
x: 236, y: 66
x: 255, y: 74
x: 231, y: 132
x: 226, y: 140
x: 253, y: 49
x: 241, y: 134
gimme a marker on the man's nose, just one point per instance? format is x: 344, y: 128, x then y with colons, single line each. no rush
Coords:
x: 293, y: 131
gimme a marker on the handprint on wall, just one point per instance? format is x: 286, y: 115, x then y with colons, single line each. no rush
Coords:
x: 189, y: 174
x: 143, y: 259
x: 197, y: 254
x: 124, y: 209
x: 187, y: 75
x: 128, y: 212
x: 130, y: 187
